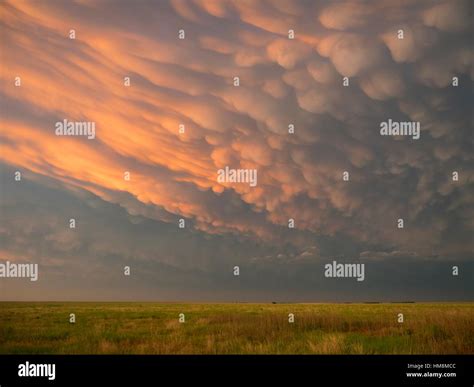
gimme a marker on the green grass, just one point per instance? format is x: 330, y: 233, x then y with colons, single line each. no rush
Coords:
x: 153, y: 328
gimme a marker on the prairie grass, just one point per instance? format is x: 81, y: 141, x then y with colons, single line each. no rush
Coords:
x: 153, y: 328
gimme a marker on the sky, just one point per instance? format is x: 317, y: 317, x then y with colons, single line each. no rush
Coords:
x: 143, y: 71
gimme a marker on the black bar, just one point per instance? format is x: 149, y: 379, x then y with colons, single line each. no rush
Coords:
x: 311, y: 370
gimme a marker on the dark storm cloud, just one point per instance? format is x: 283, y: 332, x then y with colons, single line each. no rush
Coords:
x: 282, y: 82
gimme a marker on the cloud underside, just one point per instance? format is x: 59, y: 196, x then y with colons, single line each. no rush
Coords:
x: 283, y: 81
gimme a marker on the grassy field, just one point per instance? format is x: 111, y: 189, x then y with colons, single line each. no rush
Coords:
x: 153, y: 328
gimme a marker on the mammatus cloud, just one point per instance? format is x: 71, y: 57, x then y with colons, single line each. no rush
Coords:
x: 282, y: 82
